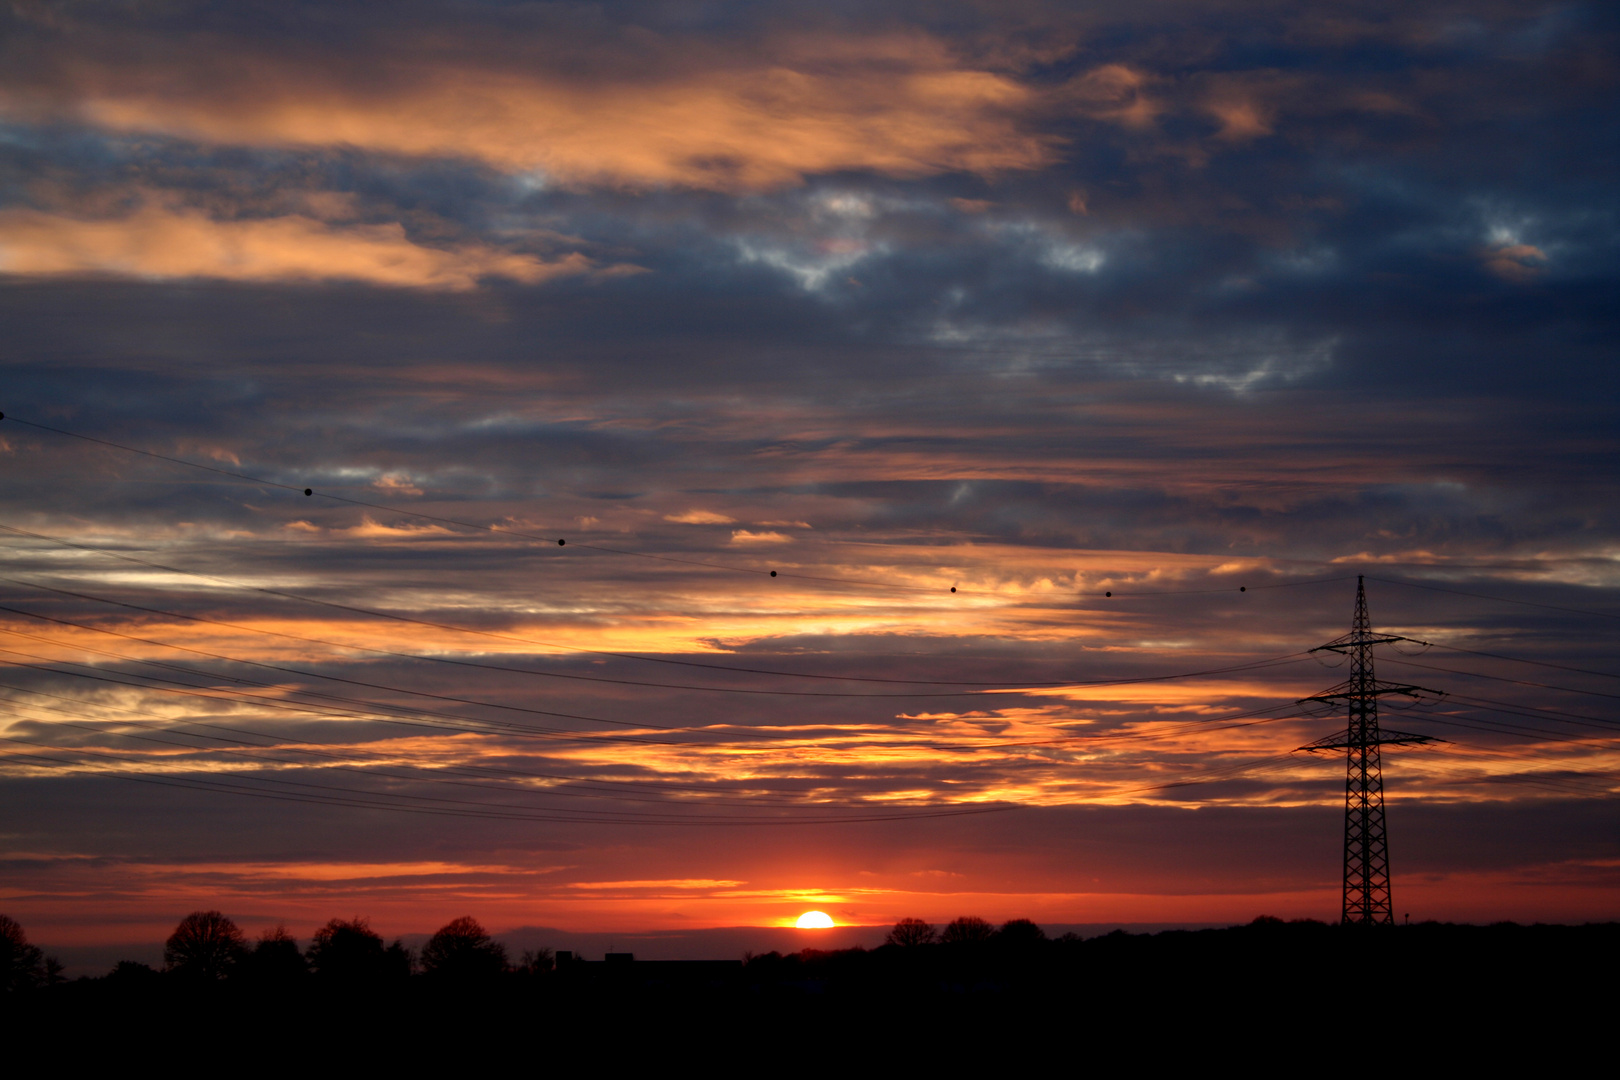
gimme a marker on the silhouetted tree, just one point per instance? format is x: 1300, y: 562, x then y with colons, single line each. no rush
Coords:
x: 398, y: 963
x: 540, y: 961
x: 350, y: 951
x: 968, y: 930
x: 206, y: 945
x: 276, y: 958
x: 133, y: 973
x: 1020, y: 933
x: 347, y: 949
x: 909, y: 933
x: 22, y: 966
x: 461, y: 950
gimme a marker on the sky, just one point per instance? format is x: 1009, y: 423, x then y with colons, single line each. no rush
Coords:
x: 962, y: 420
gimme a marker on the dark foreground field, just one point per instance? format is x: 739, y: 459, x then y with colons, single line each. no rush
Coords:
x: 1348, y: 999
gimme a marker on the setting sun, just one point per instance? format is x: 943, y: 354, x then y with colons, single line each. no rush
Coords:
x: 814, y: 920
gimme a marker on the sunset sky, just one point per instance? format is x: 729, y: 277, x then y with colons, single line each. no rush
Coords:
x: 1035, y: 302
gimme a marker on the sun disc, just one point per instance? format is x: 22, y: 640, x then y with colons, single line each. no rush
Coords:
x: 814, y: 920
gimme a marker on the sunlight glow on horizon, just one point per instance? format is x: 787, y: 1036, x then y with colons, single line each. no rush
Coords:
x: 815, y: 920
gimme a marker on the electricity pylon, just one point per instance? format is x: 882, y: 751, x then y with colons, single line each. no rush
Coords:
x: 1366, y: 844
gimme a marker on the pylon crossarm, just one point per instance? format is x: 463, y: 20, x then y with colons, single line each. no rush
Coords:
x: 1329, y: 742
x: 1376, y: 690
x: 1356, y: 641
x: 1387, y: 737
x: 1344, y: 741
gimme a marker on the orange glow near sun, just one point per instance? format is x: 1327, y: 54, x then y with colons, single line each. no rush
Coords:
x: 814, y: 920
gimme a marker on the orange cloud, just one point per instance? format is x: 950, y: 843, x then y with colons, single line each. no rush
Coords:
x: 172, y: 242
x: 902, y: 106
x: 1240, y: 119
x: 396, y: 484
x: 1515, y: 262
x: 1114, y: 92
x: 663, y: 883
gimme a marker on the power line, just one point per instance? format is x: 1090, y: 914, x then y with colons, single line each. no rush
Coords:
x: 1492, y: 678
x: 632, y: 817
x: 1535, y: 711
x: 746, y: 732
x: 1508, y: 708
x: 354, y: 609
x: 1507, y: 728
x: 1220, y: 772
x: 1497, y: 599
x: 480, y: 809
x: 334, y: 678
x: 360, y: 798
x: 356, y: 682
x: 242, y: 747
x: 357, y: 798
x: 1516, y: 659
x: 748, y: 802
x: 1575, y: 782
x: 190, y: 690
x: 1109, y: 593
x: 374, y: 707
x: 496, y: 529
x: 609, y: 789
x: 502, y: 530
x: 1227, y: 722
x: 362, y: 709
x: 412, y: 620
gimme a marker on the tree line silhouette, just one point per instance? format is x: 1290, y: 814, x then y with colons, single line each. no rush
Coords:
x: 953, y: 994
x: 1280, y: 968
x: 208, y: 947
x: 967, y: 930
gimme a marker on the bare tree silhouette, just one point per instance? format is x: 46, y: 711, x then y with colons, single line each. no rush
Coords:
x: 22, y: 966
x: 206, y: 945
x: 967, y: 930
x: 537, y: 962
x: 909, y: 933
x: 462, y: 950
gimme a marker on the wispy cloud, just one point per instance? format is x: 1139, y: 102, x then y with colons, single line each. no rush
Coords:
x: 655, y: 113
x: 161, y: 243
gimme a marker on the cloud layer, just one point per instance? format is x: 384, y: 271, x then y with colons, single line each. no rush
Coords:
x: 156, y: 243
x: 900, y: 381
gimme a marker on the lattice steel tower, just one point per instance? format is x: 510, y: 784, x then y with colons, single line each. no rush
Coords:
x: 1366, y: 844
